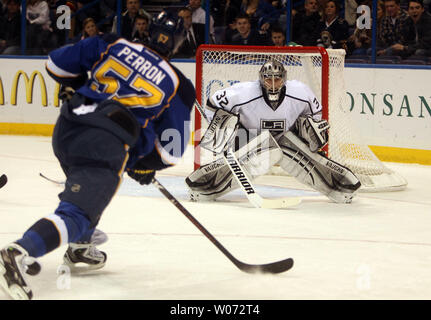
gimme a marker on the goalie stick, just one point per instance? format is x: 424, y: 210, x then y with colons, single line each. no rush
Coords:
x: 245, y: 183
x: 3, y: 180
x: 274, y: 267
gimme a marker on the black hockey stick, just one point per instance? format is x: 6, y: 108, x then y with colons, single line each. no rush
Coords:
x: 3, y: 180
x: 274, y: 267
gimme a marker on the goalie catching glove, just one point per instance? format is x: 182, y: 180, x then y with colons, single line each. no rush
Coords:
x: 314, y: 132
x: 221, y: 131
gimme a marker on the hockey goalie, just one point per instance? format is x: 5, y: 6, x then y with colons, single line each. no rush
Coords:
x: 267, y: 122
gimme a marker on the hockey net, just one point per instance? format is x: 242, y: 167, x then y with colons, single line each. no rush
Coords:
x: 219, y: 66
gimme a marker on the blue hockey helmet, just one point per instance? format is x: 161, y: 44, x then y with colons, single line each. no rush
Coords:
x: 166, y: 32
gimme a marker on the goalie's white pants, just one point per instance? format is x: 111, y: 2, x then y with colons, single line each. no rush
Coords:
x: 215, y: 179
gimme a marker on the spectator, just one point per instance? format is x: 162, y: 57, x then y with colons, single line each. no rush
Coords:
x: 230, y: 30
x: 321, y: 5
x: 332, y: 29
x: 224, y: 11
x: 380, y: 14
x: 59, y: 31
x: 107, y: 12
x: 128, y: 19
x: 359, y: 43
x: 107, y: 8
x: 422, y: 21
x: 141, y: 35
x: 249, y: 7
x: 306, y: 23
x: 262, y: 14
x: 199, y: 16
x: 89, y: 29
x: 233, y: 9
x: 91, y: 11
x: 278, y: 36
x: 350, y: 7
x: 246, y: 35
x: 397, y: 30
x: 38, y: 26
x: 63, y: 35
x: 10, y: 28
x: 195, y: 35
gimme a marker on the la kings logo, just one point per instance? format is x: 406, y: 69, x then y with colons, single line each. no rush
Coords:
x: 274, y: 126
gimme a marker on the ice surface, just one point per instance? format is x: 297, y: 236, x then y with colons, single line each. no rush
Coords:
x: 379, y: 247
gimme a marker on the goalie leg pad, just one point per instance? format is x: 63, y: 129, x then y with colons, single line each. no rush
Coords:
x: 215, y: 179
x: 210, y: 181
x: 328, y: 177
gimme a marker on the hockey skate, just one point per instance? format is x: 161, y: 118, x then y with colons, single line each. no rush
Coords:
x: 81, y: 257
x: 84, y: 256
x: 14, y: 263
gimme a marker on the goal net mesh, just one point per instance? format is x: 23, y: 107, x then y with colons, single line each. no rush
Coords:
x: 219, y: 67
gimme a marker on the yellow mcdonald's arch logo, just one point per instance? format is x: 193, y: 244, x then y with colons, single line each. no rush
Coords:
x: 56, y: 92
x: 1, y: 93
x: 29, y: 84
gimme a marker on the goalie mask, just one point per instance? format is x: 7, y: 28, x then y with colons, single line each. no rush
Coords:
x: 272, y: 78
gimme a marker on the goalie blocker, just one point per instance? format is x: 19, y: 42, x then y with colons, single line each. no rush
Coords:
x: 292, y: 153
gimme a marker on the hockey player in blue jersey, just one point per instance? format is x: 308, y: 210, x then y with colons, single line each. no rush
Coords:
x: 114, y: 122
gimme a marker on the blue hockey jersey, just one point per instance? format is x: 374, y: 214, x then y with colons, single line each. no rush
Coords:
x: 157, y: 93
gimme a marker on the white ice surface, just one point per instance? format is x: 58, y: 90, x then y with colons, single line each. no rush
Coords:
x: 379, y: 247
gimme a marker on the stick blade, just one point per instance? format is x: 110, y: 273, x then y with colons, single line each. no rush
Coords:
x: 3, y: 180
x: 273, y: 268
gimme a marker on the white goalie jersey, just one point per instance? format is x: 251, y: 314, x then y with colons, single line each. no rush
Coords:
x: 247, y: 100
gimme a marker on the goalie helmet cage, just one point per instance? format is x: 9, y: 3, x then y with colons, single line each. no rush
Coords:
x: 219, y: 66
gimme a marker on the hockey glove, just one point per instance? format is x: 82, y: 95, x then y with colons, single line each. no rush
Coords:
x: 314, y: 132
x: 65, y: 93
x: 221, y: 131
x: 143, y: 176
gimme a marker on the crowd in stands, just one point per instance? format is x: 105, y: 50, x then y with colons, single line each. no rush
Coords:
x: 403, y: 26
